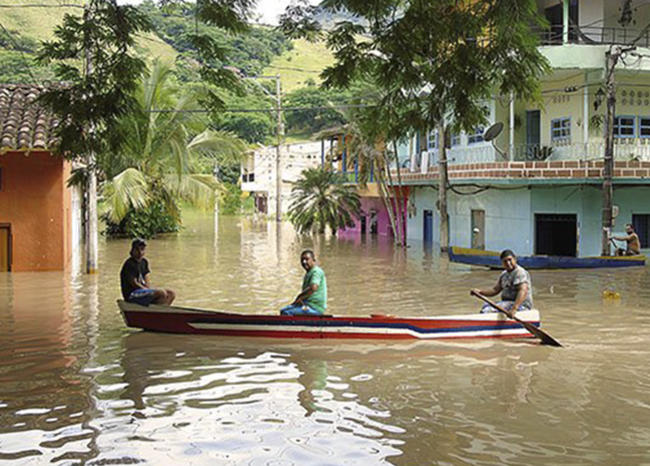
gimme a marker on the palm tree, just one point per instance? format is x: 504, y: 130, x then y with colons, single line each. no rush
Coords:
x: 320, y: 200
x: 160, y: 150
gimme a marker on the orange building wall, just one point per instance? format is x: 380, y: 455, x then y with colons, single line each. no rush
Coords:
x: 36, y: 202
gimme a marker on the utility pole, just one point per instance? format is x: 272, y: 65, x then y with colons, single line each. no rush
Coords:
x: 280, y: 134
x: 612, y: 57
x: 442, y: 188
x: 91, y: 228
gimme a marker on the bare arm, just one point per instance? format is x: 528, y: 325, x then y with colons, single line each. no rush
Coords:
x: 522, y: 292
x: 623, y: 238
x: 146, y: 281
x: 495, y: 290
x: 306, y: 293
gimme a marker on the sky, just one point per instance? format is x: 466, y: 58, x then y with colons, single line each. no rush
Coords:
x: 268, y: 10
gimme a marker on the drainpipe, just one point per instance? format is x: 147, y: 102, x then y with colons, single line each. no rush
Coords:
x: 585, y: 117
x: 565, y: 22
x: 512, y: 127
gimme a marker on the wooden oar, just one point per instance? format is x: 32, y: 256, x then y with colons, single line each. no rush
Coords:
x: 539, y: 333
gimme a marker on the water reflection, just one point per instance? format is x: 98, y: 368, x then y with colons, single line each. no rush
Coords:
x: 77, y: 386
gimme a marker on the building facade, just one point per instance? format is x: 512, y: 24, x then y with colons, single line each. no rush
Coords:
x: 258, y: 173
x: 537, y: 187
x: 39, y: 214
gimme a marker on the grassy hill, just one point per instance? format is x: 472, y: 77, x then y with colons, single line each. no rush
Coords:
x: 25, y: 27
x: 304, y: 62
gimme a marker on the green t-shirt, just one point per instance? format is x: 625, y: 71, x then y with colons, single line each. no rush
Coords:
x: 318, y: 299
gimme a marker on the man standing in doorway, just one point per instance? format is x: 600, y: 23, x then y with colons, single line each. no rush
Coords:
x: 312, y: 300
x: 513, y: 284
x: 134, y: 279
x: 632, y: 240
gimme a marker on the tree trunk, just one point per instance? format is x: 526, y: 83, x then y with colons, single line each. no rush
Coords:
x: 442, y: 189
x: 400, y: 198
x: 383, y: 192
x: 394, y: 200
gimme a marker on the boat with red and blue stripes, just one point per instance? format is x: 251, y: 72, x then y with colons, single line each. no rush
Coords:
x: 186, y: 320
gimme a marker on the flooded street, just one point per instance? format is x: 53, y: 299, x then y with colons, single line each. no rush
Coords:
x: 77, y: 386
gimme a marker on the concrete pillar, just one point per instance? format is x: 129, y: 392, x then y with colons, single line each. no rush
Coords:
x: 565, y: 21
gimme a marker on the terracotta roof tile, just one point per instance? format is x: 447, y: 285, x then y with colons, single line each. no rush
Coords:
x: 23, y: 124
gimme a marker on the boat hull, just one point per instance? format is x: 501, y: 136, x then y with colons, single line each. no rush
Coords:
x: 491, y: 259
x: 174, y: 319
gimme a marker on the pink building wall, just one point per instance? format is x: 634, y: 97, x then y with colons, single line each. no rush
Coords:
x: 383, y: 220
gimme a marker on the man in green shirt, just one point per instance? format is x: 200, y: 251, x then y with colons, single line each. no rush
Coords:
x: 312, y: 300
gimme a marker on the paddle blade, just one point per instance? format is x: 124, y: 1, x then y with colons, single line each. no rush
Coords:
x: 545, y: 338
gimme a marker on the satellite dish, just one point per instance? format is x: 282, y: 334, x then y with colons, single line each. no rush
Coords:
x: 493, y: 131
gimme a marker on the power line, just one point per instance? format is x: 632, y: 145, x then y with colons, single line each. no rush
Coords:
x: 42, y: 5
x: 264, y: 110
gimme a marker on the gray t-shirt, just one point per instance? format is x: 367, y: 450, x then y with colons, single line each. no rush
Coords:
x: 509, y: 282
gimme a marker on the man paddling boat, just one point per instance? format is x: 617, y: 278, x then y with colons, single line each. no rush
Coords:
x: 312, y: 300
x: 632, y: 240
x: 514, y: 285
x: 134, y: 279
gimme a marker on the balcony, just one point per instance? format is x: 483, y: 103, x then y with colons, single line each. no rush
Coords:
x: 591, y: 35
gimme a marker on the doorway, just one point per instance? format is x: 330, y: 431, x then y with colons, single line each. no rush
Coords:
x: 427, y: 234
x: 374, y: 228
x: 555, y: 17
x: 556, y: 234
x: 478, y: 229
x: 533, y: 133
x: 5, y: 248
x: 363, y: 224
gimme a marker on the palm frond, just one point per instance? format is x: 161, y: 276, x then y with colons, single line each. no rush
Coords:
x: 126, y: 190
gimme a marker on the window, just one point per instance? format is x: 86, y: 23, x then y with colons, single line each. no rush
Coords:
x: 624, y: 127
x: 476, y: 136
x: 641, y: 223
x: 455, y: 139
x: 644, y: 127
x: 432, y: 140
x: 561, y: 129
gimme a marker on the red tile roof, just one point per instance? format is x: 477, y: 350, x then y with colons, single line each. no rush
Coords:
x: 23, y: 124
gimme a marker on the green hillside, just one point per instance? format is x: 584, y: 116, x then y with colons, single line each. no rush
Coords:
x: 304, y: 62
x: 23, y: 28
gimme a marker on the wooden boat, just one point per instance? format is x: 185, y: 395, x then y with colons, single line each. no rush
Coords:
x: 491, y: 259
x: 176, y: 319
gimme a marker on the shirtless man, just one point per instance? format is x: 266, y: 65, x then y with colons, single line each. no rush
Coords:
x: 632, y: 240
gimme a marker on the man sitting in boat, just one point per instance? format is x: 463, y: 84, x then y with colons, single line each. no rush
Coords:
x: 134, y: 279
x: 312, y: 300
x: 513, y: 284
x: 632, y: 240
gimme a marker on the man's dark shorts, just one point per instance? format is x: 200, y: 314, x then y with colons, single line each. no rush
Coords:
x: 141, y: 296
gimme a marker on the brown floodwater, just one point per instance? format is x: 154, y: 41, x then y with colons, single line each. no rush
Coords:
x: 77, y: 386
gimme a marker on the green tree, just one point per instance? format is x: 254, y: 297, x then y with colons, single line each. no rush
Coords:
x: 158, y: 155
x: 322, y: 199
x: 318, y: 118
x: 436, y: 62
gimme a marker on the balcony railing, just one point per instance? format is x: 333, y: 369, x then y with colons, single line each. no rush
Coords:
x: 624, y: 149
x: 593, y: 35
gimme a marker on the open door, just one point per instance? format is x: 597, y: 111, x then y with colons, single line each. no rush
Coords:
x: 427, y: 234
x: 478, y: 229
x: 5, y: 248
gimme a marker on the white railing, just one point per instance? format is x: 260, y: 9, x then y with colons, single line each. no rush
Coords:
x: 624, y: 149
